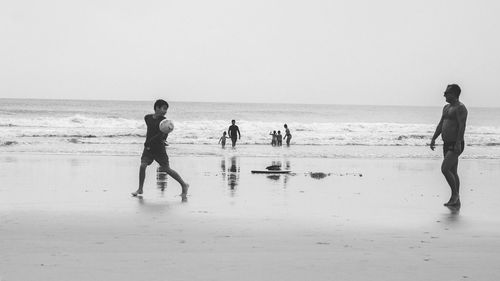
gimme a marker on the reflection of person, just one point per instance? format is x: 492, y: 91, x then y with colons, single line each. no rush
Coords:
x: 154, y: 148
x: 222, y: 139
x: 234, y: 132
x: 288, y: 136
x: 451, y: 127
x: 223, y: 168
x: 233, y: 175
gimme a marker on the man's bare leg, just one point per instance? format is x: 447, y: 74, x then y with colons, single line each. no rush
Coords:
x: 448, y: 168
x: 178, y: 178
x: 142, y: 176
x: 457, y: 182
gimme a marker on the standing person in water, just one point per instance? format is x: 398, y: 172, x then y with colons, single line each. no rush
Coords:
x: 222, y: 139
x: 234, y: 132
x: 279, y: 139
x: 451, y: 127
x: 274, y: 138
x: 288, y: 136
x: 154, y: 149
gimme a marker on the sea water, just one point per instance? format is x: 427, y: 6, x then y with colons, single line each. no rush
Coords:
x: 327, y: 131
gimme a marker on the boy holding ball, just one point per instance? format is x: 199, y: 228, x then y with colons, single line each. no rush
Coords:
x: 154, y: 148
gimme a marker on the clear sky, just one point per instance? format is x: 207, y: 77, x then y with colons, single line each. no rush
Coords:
x: 391, y: 52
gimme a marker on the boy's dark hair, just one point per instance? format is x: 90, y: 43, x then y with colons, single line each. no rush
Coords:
x: 454, y: 89
x: 160, y: 103
x: 279, y: 132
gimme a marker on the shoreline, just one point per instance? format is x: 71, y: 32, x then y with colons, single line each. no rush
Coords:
x: 266, y: 151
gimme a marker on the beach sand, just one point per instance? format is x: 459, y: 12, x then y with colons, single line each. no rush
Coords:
x: 71, y: 217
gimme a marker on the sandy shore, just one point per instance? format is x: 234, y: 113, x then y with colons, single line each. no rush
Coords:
x: 72, y: 218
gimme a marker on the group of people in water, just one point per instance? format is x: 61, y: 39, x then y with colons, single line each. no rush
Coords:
x: 451, y: 127
x: 277, y: 138
x: 234, y: 135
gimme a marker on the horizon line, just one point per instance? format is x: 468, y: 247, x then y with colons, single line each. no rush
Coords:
x: 236, y: 102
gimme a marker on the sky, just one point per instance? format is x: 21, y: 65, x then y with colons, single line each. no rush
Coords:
x: 385, y: 52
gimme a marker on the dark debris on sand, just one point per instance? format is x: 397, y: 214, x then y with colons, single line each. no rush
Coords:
x: 321, y: 175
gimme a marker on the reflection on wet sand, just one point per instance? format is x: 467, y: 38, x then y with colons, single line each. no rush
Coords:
x: 278, y: 177
x: 454, y: 214
x: 232, y: 174
x: 154, y: 206
x: 161, y: 178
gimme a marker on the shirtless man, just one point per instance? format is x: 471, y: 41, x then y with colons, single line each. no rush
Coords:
x: 234, y: 132
x: 451, y: 127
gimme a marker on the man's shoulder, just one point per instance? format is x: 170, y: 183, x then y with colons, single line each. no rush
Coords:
x: 148, y: 116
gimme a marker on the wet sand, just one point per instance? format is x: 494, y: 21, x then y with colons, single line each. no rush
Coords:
x: 67, y: 217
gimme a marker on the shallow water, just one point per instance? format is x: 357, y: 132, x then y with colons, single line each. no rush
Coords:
x: 333, y: 131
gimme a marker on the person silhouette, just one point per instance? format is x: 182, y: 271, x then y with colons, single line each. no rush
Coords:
x: 451, y: 127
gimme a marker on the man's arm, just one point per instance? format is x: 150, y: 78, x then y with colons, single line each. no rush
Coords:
x: 438, y: 131
x: 461, y: 120
x: 229, y: 131
x: 238, y: 132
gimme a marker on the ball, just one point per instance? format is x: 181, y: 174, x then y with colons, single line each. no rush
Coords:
x: 166, y: 126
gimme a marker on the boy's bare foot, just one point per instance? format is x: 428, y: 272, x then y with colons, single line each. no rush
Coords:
x: 137, y: 193
x: 185, y: 188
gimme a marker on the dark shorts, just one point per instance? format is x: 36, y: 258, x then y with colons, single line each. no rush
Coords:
x: 160, y: 156
x: 450, y: 146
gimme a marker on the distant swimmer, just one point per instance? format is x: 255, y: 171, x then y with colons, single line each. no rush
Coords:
x: 451, y: 127
x: 222, y: 139
x: 154, y: 148
x: 288, y: 136
x: 234, y: 132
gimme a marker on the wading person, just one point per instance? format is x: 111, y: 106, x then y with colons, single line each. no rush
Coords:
x: 234, y: 133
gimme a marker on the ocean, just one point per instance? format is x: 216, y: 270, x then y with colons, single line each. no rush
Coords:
x: 326, y: 131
